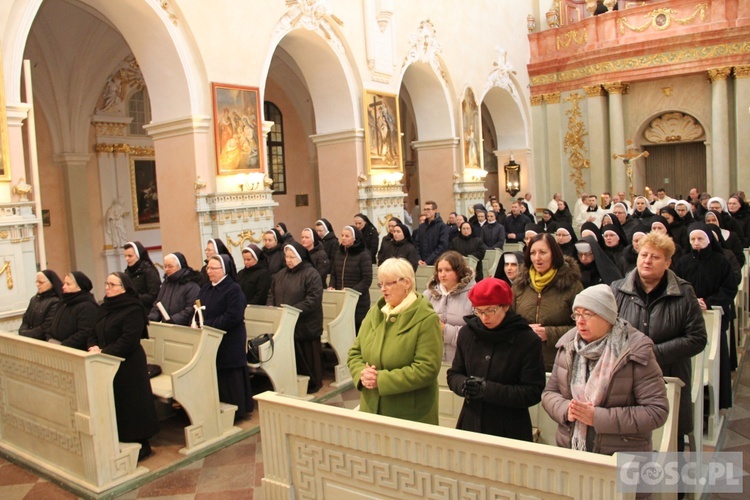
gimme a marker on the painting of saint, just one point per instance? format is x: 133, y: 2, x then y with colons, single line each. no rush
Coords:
x: 237, y: 128
x: 471, y: 131
x: 383, y: 137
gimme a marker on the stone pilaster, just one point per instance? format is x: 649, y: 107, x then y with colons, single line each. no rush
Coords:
x: 742, y: 126
x: 619, y: 180
x: 719, y: 180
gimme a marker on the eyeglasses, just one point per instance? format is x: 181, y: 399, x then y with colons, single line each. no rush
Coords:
x: 388, y: 284
x: 107, y: 284
x: 486, y: 312
x: 586, y: 316
x: 216, y: 268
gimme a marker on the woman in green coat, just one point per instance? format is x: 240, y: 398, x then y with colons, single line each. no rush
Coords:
x: 395, y: 359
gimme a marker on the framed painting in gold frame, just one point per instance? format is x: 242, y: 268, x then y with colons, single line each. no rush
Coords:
x: 4, y: 151
x: 145, y: 192
x: 382, y: 131
x: 237, y: 129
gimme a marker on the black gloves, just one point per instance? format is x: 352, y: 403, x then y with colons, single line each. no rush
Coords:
x: 474, y: 388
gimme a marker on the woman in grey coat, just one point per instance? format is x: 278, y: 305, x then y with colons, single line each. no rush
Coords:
x: 178, y: 292
x: 606, y: 391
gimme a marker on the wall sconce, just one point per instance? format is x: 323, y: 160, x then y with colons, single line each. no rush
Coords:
x: 512, y: 176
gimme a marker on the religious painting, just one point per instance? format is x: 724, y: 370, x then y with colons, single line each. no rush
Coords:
x: 383, y: 131
x: 4, y: 152
x: 237, y: 128
x: 472, y: 145
x: 145, y: 193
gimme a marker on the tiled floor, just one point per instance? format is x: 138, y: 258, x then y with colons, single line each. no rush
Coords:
x: 235, y: 472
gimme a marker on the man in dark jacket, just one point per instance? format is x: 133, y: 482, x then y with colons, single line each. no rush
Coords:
x: 515, y: 224
x: 664, y: 307
x: 432, y: 235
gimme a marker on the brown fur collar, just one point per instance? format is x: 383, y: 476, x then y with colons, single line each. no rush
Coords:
x: 433, y: 284
x: 567, y: 276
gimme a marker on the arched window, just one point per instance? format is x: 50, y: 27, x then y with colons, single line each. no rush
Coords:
x: 139, y: 109
x: 275, y: 147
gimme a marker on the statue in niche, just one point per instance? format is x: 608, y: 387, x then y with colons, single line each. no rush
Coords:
x: 22, y: 189
x: 115, y: 218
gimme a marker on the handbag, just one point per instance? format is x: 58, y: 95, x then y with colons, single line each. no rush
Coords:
x: 253, y: 348
x: 153, y: 370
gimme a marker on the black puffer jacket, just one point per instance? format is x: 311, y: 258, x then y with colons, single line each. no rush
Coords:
x: 352, y: 268
x: 74, y: 320
x: 300, y: 287
x: 255, y: 282
x: 470, y: 245
x: 146, y: 280
x: 177, y: 295
x: 37, y: 319
x: 509, y: 358
x: 320, y: 261
x: 675, y: 324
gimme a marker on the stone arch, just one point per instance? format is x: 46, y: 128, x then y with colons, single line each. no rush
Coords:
x: 431, y: 100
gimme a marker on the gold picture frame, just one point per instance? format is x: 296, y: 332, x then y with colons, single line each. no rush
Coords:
x: 382, y: 131
x: 4, y: 148
x: 145, y: 192
x: 237, y: 129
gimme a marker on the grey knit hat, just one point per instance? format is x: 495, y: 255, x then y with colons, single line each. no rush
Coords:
x: 600, y: 300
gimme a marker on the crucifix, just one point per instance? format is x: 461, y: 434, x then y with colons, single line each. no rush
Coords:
x: 628, y: 158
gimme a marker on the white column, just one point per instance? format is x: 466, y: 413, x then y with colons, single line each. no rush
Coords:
x: 619, y: 178
x: 541, y: 167
x: 742, y: 126
x: 555, y: 134
x: 598, y: 129
x: 719, y: 132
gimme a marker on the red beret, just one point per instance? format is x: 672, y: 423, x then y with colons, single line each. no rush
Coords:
x: 491, y: 292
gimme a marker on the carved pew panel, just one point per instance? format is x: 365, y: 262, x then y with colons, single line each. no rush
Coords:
x: 338, y: 328
x: 187, y: 357
x: 280, y: 362
x: 57, y: 413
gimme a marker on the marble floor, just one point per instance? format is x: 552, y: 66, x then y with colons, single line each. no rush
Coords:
x: 235, y: 471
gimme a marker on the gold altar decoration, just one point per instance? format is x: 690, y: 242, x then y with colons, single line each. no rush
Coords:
x: 579, y: 37
x: 383, y: 221
x: 574, y: 144
x: 8, y: 274
x: 661, y: 19
x: 245, y: 235
x: 103, y: 147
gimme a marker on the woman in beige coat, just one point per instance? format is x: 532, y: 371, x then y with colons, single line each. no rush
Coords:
x: 606, y: 392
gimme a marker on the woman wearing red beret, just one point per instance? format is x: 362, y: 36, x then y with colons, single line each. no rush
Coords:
x: 498, y: 367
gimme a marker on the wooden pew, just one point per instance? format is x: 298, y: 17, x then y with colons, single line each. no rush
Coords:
x: 338, y: 328
x: 490, y: 261
x: 187, y: 357
x: 319, y: 451
x: 696, y: 386
x: 279, y: 363
x: 58, y: 414
x: 449, y: 404
x: 423, y: 275
x: 513, y: 247
x: 375, y: 291
x: 471, y: 261
x: 711, y: 374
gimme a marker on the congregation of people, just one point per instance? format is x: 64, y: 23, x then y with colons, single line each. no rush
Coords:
x: 605, y: 297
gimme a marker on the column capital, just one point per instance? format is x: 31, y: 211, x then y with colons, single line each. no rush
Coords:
x: 718, y: 74
x: 181, y: 126
x: 742, y: 72
x: 594, y: 90
x: 536, y: 100
x: 552, y: 98
x: 616, y: 88
x: 17, y: 113
x: 71, y: 159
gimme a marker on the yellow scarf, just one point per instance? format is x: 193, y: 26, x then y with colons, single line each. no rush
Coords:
x: 404, y: 305
x: 540, y: 281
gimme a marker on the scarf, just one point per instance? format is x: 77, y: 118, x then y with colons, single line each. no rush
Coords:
x: 540, y: 281
x: 597, y: 361
x: 403, y: 306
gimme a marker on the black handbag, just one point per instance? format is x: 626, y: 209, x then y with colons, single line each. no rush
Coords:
x: 253, y: 348
x: 153, y: 370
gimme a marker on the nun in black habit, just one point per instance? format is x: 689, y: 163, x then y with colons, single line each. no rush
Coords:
x: 224, y: 305
x: 142, y: 272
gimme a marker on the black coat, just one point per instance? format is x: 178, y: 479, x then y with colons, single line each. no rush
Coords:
x: 320, y: 261
x: 470, y: 246
x: 509, y: 358
x: 120, y: 326
x: 352, y: 268
x: 146, y: 280
x: 493, y: 235
x: 742, y: 217
x: 517, y: 226
x: 255, y: 282
x: 673, y: 320
x: 300, y: 287
x: 399, y: 249
x: 225, y: 310
x: 275, y: 258
x: 331, y: 246
x: 38, y: 317
x: 177, y: 295
x: 431, y: 240
x: 74, y: 320
x: 372, y: 240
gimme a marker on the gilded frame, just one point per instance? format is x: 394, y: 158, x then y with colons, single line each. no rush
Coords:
x: 145, y: 192
x: 236, y: 109
x: 5, y: 173
x: 382, y: 131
